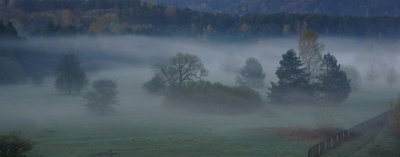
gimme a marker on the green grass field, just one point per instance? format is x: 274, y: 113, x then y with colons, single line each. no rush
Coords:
x: 61, y: 126
x: 377, y: 142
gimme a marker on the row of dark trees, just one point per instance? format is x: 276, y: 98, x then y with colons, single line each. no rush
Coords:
x: 307, y: 78
x: 135, y: 16
x: 295, y: 84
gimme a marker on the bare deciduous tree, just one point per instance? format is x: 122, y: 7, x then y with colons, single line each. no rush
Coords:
x: 371, y: 74
x: 182, y: 68
x: 392, y: 76
x: 310, y: 51
x: 354, y: 75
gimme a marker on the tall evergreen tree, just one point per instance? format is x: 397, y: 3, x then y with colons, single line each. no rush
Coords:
x: 252, y: 74
x: 294, y: 82
x: 333, y: 82
x: 70, y: 75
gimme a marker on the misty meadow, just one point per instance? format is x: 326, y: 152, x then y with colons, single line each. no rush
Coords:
x: 132, y: 78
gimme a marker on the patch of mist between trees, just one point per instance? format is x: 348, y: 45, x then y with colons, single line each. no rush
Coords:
x: 218, y: 57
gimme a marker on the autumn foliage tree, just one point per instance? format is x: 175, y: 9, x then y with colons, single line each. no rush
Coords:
x: 310, y: 51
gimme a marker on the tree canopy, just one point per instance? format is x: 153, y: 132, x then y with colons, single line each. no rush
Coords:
x: 252, y: 74
x: 293, y: 85
x: 333, y: 82
x: 70, y: 75
x: 102, y: 96
x: 180, y: 69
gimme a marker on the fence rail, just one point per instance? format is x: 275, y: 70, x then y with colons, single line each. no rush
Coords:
x: 337, y: 139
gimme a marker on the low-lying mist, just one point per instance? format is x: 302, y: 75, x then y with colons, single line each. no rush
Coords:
x: 220, y: 58
x: 129, y: 59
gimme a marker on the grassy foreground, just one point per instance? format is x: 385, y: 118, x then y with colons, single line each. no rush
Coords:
x: 60, y: 126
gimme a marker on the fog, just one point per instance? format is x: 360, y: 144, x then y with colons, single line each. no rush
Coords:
x: 43, y: 112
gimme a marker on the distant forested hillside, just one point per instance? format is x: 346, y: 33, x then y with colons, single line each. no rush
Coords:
x: 330, y: 7
x: 70, y: 17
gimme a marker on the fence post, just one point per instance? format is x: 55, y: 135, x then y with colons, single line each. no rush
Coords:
x: 336, y: 140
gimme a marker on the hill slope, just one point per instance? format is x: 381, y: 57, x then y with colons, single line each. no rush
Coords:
x: 331, y: 7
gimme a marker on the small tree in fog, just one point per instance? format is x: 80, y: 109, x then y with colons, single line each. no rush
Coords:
x: 252, y: 74
x: 14, y: 146
x: 11, y: 72
x: 310, y: 51
x: 392, y: 76
x: 333, y: 82
x: 180, y: 69
x: 371, y: 74
x: 102, y: 96
x: 354, y: 76
x: 293, y: 85
x: 157, y: 84
x: 70, y: 75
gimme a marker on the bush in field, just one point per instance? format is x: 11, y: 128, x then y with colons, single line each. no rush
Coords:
x: 102, y: 96
x: 396, y: 118
x: 14, y: 146
x: 252, y: 74
x: 213, y: 97
x: 156, y: 85
x: 11, y: 72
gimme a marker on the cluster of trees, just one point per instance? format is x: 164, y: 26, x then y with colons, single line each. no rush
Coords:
x: 330, y: 7
x: 139, y: 17
x: 309, y: 77
x: 296, y: 84
x: 180, y: 78
x: 71, y: 78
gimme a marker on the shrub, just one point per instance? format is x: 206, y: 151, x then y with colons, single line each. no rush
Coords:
x: 214, y: 97
x: 102, y: 96
x: 14, y: 146
x: 11, y: 72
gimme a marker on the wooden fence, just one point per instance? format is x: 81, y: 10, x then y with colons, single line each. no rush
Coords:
x: 336, y: 140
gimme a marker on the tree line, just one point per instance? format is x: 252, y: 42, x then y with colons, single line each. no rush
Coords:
x: 68, y: 17
x: 309, y: 77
